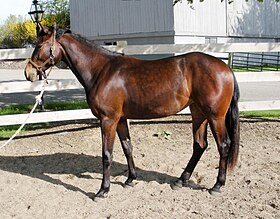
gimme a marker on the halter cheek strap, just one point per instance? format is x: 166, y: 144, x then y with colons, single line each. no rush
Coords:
x: 53, y: 46
x: 50, y: 60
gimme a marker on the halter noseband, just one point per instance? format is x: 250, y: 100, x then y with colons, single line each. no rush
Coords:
x: 50, y: 60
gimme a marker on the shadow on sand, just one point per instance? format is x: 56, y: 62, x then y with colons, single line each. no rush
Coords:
x: 76, y: 164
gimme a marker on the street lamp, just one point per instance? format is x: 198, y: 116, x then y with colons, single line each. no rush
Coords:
x: 36, y: 13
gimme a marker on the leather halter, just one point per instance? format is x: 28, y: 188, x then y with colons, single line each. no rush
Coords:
x: 50, y: 60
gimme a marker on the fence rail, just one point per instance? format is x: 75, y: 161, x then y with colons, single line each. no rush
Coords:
x: 81, y: 114
x: 13, y: 54
x: 17, y: 87
x: 69, y: 84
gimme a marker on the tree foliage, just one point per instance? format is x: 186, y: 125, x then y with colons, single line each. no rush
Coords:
x: 16, y: 32
x: 56, y: 11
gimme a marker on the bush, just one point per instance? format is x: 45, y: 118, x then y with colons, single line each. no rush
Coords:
x: 17, y: 33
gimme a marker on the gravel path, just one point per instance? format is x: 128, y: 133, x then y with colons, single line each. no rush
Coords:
x: 53, y: 173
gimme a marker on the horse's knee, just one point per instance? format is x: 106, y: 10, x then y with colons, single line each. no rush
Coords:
x: 127, y: 147
x: 107, y: 158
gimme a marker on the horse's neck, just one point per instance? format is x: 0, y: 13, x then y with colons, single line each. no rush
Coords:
x: 84, y: 61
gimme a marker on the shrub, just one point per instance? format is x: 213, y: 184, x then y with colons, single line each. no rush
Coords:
x: 17, y: 33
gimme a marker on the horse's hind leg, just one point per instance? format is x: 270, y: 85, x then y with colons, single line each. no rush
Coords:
x: 219, y: 131
x: 199, y: 145
x: 123, y: 132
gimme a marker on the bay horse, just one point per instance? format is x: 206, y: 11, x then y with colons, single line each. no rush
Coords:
x: 120, y: 87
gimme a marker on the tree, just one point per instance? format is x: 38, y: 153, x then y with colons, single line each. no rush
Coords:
x: 26, y: 33
x: 56, y: 11
x: 16, y: 33
x: 7, y: 30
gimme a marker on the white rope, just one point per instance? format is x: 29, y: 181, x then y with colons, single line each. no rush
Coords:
x: 38, y: 101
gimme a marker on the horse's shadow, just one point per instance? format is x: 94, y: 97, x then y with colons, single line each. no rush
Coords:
x: 42, y: 166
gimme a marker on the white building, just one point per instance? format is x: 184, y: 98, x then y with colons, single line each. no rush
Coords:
x: 157, y: 21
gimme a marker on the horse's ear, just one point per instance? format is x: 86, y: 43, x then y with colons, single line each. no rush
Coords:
x: 43, y: 30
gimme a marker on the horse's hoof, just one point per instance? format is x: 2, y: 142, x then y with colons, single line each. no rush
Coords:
x: 101, y: 195
x: 215, y: 192
x: 177, y: 185
x: 128, y: 185
x: 98, y: 198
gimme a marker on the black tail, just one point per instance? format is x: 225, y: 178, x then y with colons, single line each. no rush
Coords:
x: 233, y: 127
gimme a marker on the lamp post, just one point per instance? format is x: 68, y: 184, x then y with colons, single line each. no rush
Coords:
x: 36, y: 13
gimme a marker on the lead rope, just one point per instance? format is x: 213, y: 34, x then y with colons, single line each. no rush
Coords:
x: 38, y: 101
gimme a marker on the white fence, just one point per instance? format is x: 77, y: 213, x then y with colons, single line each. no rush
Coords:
x: 56, y: 85
x: 10, y: 54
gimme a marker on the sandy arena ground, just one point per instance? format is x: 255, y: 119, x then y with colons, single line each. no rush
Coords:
x: 54, y: 172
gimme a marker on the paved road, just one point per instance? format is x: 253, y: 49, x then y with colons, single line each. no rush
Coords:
x: 250, y: 91
x: 259, y: 91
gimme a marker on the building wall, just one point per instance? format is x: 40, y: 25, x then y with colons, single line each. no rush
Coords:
x: 157, y: 21
x: 254, y: 19
x: 97, y: 18
x: 206, y: 18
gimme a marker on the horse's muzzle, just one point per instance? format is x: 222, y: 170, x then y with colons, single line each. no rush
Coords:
x: 30, y: 72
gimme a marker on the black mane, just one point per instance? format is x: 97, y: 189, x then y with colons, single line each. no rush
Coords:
x: 60, y: 32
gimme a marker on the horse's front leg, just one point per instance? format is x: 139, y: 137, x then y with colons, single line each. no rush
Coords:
x: 108, y: 131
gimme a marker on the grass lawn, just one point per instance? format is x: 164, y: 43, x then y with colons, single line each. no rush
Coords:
x: 7, y: 131
x: 255, y: 68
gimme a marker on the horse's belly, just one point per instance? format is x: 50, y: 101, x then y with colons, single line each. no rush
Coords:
x: 155, y: 109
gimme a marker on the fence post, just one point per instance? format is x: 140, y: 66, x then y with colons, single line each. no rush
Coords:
x: 262, y: 62
x: 230, y: 58
x: 278, y: 60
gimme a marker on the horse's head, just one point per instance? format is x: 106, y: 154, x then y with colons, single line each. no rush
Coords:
x: 47, y: 53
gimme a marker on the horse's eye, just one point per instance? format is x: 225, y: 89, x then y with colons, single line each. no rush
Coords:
x: 39, y: 45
